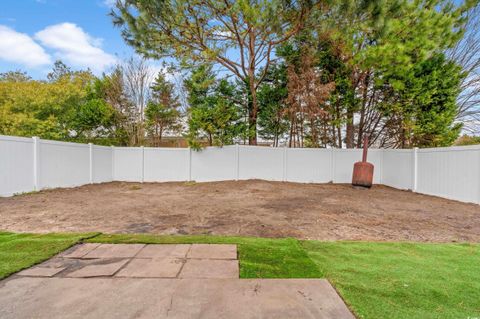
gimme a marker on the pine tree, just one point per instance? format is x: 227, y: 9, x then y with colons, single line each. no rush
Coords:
x: 162, y: 111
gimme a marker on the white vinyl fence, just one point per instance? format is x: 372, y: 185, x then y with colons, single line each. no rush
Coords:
x: 29, y: 164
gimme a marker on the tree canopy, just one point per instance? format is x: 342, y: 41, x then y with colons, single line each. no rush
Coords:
x: 239, y: 35
x: 284, y: 73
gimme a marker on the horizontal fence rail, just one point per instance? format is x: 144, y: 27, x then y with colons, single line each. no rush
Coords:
x: 32, y: 164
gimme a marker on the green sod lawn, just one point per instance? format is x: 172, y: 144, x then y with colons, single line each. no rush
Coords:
x: 19, y: 251
x: 402, y: 280
x: 376, y: 280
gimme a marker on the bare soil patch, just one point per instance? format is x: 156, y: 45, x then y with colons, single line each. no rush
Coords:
x: 245, y: 208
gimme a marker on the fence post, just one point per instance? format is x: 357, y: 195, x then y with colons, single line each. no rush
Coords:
x: 382, y: 155
x: 285, y: 172
x: 478, y: 201
x: 90, y: 151
x: 237, y: 161
x: 142, y: 148
x: 36, y: 163
x: 415, y: 169
x: 332, y: 164
x: 113, y: 162
x: 189, y: 164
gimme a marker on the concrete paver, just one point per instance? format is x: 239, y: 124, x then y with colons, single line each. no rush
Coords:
x: 78, y: 251
x: 164, y: 251
x: 152, y: 268
x: 98, y: 270
x: 213, y: 251
x: 41, y: 271
x: 210, y: 268
x: 107, y: 298
x: 115, y: 251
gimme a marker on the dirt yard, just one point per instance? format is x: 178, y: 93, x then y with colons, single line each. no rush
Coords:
x: 247, y: 208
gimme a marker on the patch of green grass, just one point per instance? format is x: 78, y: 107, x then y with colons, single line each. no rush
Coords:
x: 26, y: 193
x: 20, y: 251
x: 402, y: 280
x: 259, y: 257
x: 377, y: 280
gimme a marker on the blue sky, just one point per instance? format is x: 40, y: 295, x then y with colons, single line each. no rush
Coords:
x: 35, y: 33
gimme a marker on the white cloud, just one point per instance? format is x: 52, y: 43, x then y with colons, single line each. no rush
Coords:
x: 75, y: 46
x: 109, y: 3
x: 19, y: 48
x: 157, y: 68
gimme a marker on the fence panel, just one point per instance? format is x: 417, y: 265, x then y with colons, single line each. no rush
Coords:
x: 214, y: 164
x: 398, y: 168
x: 256, y: 162
x: 63, y: 164
x: 166, y: 164
x: 27, y: 164
x: 450, y: 172
x: 16, y: 165
x: 309, y: 165
x: 102, y: 164
x: 128, y: 164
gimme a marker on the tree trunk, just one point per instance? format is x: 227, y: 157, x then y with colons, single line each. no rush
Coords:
x: 349, y: 135
x: 339, y: 128
x: 339, y: 133
x: 252, y: 127
x: 291, y: 132
x: 361, y: 124
x: 253, y: 110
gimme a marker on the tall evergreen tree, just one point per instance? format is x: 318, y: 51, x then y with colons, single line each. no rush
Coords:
x: 272, y: 95
x: 428, y: 104
x: 214, y: 115
x: 162, y: 111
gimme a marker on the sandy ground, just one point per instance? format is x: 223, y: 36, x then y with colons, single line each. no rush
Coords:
x: 247, y: 208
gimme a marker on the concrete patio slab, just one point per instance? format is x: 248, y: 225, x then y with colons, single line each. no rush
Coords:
x: 159, y: 287
x: 98, y: 270
x: 78, y: 251
x: 164, y: 251
x: 210, y: 268
x: 72, y: 264
x: 59, y: 262
x: 213, y: 251
x: 115, y: 251
x: 41, y: 271
x: 27, y: 297
x: 152, y: 268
